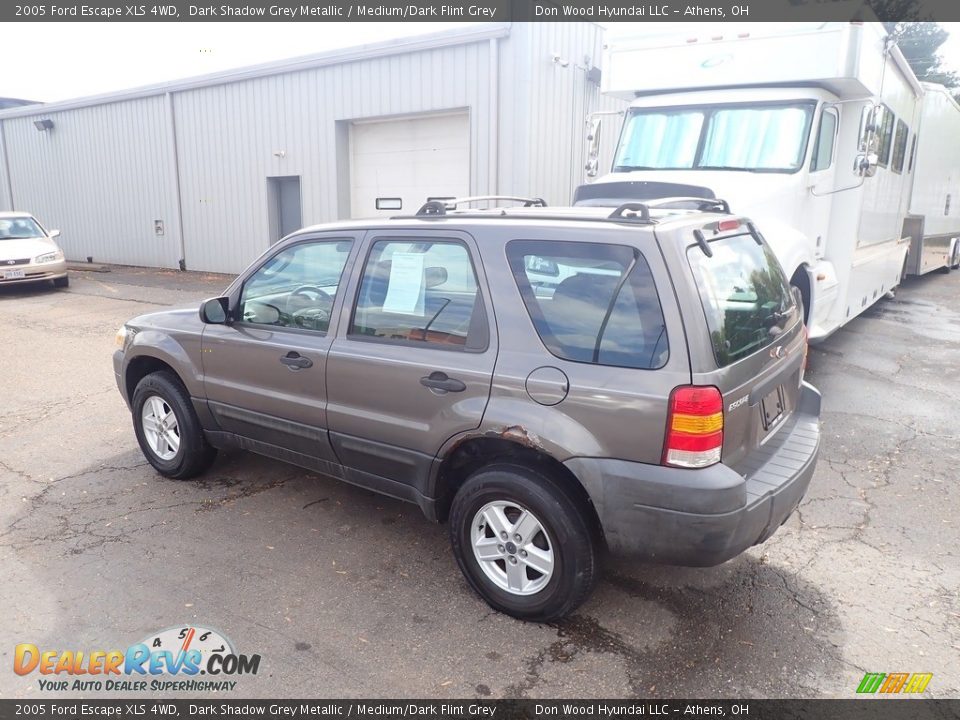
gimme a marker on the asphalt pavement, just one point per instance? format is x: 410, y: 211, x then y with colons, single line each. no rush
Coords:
x: 347, y: 594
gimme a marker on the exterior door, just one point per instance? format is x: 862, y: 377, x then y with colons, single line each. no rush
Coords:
x: 396, y: 165
x: 284, y: 206
x: 413, y: 360
x: 816, y: 216
x: 264, y: 374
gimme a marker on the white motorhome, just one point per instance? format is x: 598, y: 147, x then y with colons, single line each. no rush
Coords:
x: 933, y: 223
x: 807, y: 128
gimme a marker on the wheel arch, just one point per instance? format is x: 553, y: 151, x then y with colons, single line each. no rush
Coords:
x: 473, y: 453
x: 801, y: 280
x: 142, y: 365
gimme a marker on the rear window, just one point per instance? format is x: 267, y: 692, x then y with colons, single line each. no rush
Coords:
x: 591, y: 302
x: 746, y: 297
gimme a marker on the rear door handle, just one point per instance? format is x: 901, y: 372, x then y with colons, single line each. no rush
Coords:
x: 438, y: 380
x: 296, y: 361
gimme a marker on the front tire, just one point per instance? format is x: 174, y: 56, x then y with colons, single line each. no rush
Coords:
x: 523, y: 543
x: 61, y: 282
x: 168, y: 429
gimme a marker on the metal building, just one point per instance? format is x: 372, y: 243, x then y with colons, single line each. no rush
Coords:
x: 204, y: 173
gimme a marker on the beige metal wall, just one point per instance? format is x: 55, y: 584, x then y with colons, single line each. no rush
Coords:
x: 232, y: 137
x: 197, y: 154
x: 101, y: 176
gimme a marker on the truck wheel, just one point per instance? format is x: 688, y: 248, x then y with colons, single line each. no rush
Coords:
x: 523, y: 543
x: 168, y: 429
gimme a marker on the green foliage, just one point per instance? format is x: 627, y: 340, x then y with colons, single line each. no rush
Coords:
x: 919, y: 42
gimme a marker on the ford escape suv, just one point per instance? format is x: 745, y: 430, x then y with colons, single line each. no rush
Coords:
x: 552, y: 382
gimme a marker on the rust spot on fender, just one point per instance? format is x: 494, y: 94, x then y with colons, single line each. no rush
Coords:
x: 519, y: 434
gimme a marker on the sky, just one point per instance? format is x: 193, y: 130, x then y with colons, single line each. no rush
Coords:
x: 60, y: 61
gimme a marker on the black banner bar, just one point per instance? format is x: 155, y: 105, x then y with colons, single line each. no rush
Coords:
x: 476, y: 10
x: 873, y: 708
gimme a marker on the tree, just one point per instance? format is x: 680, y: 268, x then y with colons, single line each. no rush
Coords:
x: 919, y: 43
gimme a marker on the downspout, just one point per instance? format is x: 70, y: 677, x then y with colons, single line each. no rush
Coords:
x: 6, y: 164
x: 493, y: 182
x: 175, y: 175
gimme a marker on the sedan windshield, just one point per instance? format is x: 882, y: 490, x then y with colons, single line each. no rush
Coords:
x: 753, y: 138
x: 19, y: 228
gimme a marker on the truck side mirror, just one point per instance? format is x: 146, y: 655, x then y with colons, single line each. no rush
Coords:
x: 866, y: 164
x: 593, y: 146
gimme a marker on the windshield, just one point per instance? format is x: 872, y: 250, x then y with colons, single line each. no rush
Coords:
x: 753, y: 138
x: 19, y: 229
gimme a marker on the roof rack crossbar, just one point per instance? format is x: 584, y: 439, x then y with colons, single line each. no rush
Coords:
x: 440, y: 207
x: 702, y: 204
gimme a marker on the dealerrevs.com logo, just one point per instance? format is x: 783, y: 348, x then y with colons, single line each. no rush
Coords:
x: 166, y: 661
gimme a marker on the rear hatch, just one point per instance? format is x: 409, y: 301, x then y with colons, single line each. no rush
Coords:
x: 752, y: 345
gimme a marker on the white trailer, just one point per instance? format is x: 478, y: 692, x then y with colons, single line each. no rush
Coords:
x: 805, y: 128
x: 933, y: 223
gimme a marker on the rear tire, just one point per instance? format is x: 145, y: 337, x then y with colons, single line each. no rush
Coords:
x: 541, y: 577
x: 61, y: 282
x: 168, y: 429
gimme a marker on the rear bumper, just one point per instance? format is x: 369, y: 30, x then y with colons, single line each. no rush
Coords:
x: 704, y: 517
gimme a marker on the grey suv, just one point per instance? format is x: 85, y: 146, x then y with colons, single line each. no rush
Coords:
x: 551, y: 382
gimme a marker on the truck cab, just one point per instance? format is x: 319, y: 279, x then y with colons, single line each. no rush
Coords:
x: 804, y: 129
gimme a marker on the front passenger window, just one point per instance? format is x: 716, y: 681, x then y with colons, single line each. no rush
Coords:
x: 296, y: 287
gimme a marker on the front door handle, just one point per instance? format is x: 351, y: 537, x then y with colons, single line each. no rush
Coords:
x: 296, y: 361
x: 438, y: 380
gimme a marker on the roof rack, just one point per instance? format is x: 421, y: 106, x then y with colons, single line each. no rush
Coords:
x: 440, y: 207
x: 702, y: 204
x: 639, y: 212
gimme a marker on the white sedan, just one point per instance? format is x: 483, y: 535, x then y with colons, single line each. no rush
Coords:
x: 28, y: 252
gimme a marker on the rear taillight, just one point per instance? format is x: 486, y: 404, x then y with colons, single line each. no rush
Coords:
x: 694, y: 427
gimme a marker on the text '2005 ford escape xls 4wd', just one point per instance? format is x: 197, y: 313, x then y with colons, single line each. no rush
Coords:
x: 552, y: 382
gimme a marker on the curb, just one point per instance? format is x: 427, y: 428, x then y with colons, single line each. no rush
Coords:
x: 87, y: 267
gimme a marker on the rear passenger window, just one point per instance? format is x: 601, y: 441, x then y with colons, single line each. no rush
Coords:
x: 745, y: 295
x: 591, y: 302
x: 420, y: 292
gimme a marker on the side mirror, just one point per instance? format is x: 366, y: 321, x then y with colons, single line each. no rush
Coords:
x: 54, y: 234
x: 593, y: 146
x: 435, y: 276
x: 866, y: 164
x: 215, y: 311
x: 542, y: 266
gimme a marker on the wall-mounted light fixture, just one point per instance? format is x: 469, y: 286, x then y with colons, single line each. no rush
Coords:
x: 42, y: 125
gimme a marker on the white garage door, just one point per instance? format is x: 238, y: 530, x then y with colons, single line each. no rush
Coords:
x: 398, y: 164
